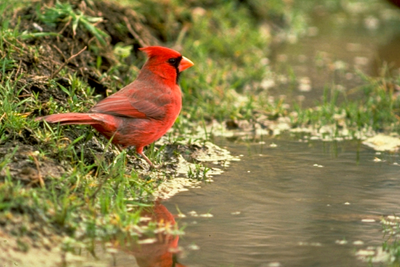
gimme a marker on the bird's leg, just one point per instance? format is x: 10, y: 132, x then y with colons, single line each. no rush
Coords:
x: 119, y: 147
x: 152, y: 166
x: 139, y: 150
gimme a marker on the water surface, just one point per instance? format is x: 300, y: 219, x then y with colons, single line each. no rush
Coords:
x: 290, y: 204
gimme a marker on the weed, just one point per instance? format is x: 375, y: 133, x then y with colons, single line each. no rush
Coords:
x: 377, y: 109
x: 199, y: 172
x: 391, y: 245
x: 63, y: 12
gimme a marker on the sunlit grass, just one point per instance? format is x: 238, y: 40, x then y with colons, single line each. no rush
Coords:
x: 378, y: 108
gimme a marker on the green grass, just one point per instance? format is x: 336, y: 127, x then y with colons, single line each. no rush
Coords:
x: 391, y: 245
x: 64, y: 13
x: 378, y: 109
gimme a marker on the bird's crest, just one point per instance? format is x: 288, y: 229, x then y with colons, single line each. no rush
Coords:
x: 153, y: 51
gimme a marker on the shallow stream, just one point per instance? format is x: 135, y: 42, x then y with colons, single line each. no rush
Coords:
x: 290, y: 203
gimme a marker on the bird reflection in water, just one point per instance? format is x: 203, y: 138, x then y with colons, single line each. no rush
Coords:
x: 162, y: 252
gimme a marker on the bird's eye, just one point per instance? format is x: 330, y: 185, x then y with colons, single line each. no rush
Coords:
x: 172, y: 61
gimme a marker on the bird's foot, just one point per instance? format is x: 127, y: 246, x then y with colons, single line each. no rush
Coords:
x: 152, y: 166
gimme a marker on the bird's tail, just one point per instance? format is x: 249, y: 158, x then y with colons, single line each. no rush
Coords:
x: 70, y: 118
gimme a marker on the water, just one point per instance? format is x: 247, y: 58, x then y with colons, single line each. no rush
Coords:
x: 339, y: 46
x: 290, y: 204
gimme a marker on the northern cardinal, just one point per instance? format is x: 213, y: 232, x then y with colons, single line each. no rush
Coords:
x: 144, y: 110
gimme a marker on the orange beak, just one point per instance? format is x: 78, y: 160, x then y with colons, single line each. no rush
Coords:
x: 185, y: 63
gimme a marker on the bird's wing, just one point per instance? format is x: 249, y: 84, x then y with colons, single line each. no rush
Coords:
x: 135, y: 103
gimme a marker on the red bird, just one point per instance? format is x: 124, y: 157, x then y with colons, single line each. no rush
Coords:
x: 144, y: 110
